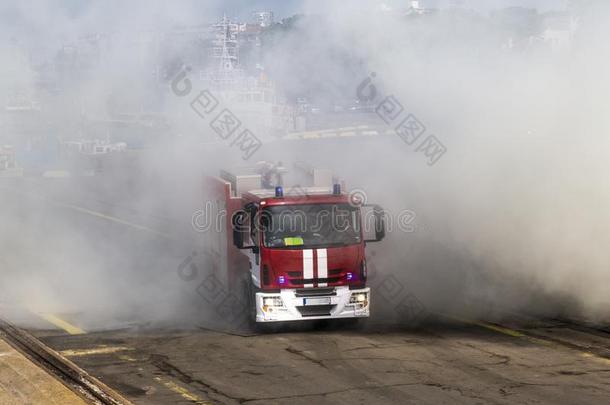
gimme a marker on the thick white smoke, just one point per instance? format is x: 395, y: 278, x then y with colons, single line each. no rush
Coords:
x: 513, y: 214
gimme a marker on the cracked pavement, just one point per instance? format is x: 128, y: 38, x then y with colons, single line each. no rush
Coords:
x: 438, y: 362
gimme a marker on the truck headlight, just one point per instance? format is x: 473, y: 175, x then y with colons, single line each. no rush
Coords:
x: 272, y: 302
x: 359, y: 299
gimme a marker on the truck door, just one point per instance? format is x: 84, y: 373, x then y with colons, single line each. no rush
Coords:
x: 254, y: 253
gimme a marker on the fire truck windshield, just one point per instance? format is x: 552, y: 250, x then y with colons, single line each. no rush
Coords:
x: 310, y: 226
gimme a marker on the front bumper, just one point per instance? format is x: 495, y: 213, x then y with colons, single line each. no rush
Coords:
x: 297, y: 305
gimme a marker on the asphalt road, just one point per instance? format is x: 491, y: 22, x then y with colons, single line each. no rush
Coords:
x: 95, y: 278
x: 439, y: 362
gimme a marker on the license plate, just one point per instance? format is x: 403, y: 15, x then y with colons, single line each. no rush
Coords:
x: 316, y: 301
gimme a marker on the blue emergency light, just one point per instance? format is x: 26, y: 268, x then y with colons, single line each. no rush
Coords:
x: 336, y: 189
x: 279, y: 191
x: 350, y: 276
x: 281, y: 279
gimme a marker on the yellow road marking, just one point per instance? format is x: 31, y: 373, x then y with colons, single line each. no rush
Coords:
x: 60, y: 323
x: 332, y: 133
x: 329, y: 130
x: 496, y: 328
x: 183, y: 392
x: 593, y: 356
x: 514, y: 333
x: 344, y: 128
x: 291, y: 137
x: 311, y: 136
x: 499, y: 329
x: 97, y: 350
x: 361, y: 130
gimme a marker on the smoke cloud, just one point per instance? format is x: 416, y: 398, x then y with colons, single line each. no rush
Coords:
x: 513, y: 216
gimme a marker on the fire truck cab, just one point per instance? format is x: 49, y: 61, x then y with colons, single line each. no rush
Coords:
x: 300, y: 251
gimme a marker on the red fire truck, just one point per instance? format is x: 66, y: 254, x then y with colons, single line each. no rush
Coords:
x: 296, y: 253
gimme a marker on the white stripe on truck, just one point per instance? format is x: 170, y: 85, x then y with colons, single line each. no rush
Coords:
x: 308, y: 265
x: 322, y: 266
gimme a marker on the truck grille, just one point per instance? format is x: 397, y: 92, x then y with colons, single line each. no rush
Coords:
x: 316, y: 310
x: 314, y: 292
x: 301, y: 281
x: 334, y: 276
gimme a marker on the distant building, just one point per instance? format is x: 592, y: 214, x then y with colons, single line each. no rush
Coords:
x: 418, y: 7
x: 558, y: 30
x: 250, y: 33
x: 7, y: 158
x: 263, y: 18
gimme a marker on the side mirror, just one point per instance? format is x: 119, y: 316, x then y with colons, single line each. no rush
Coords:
x: 373, y: 221
x: 379, y: 223
x: 240, y: 230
